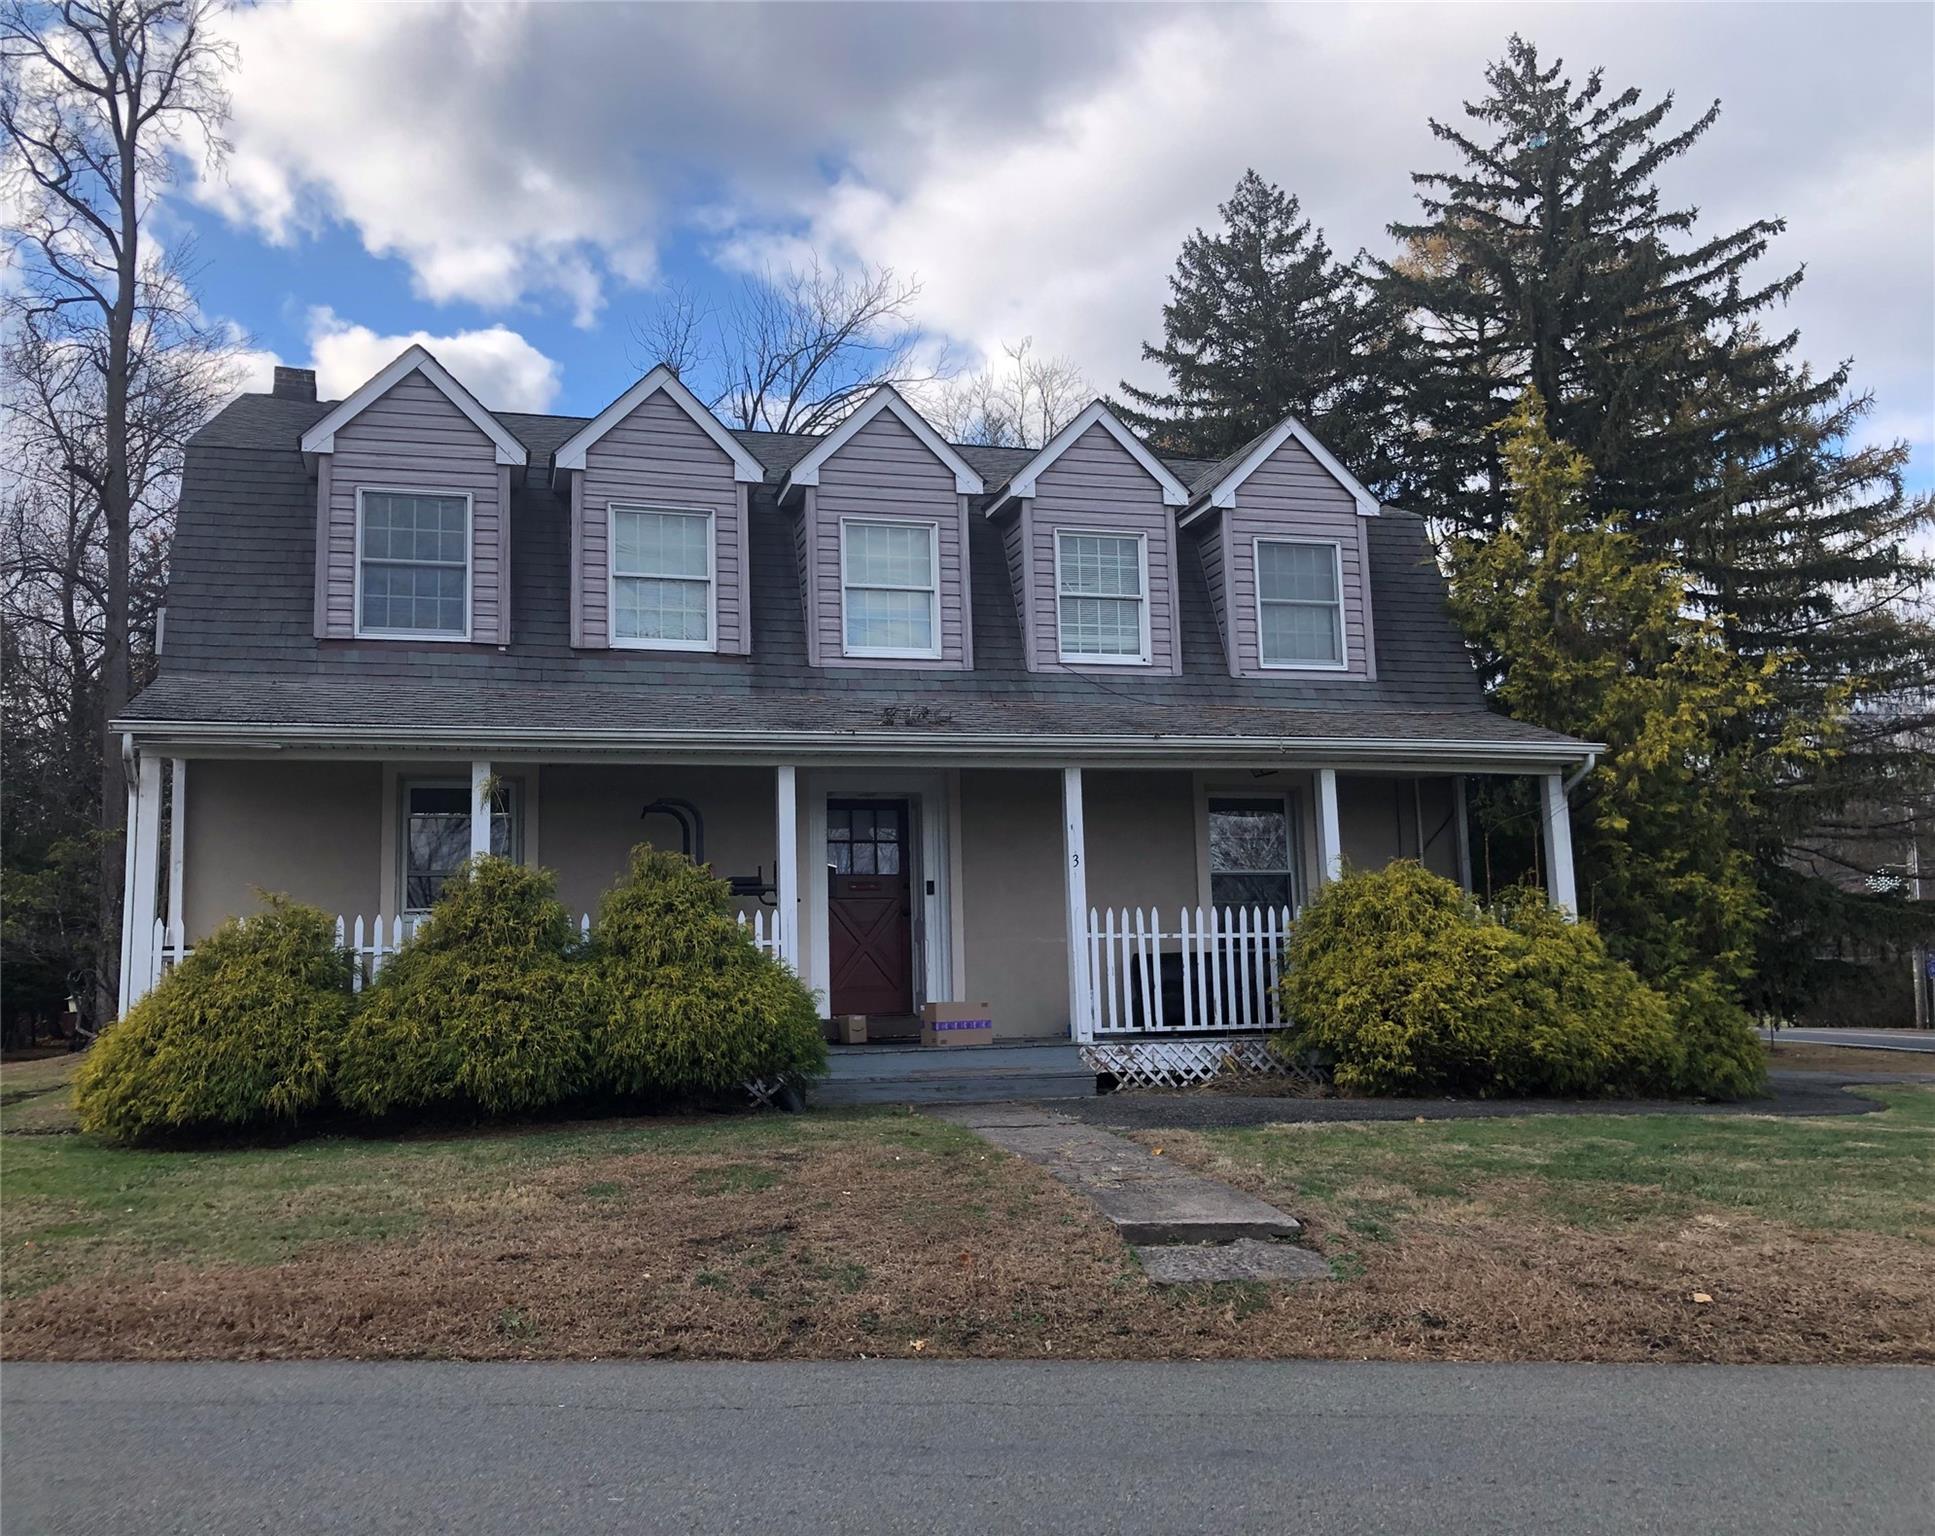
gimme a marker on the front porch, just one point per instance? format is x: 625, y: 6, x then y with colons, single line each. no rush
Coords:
x: 1088, y: 904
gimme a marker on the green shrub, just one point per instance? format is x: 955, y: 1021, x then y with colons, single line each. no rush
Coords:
x: 484, y: 1008
x: 688, y: 1005
x: 1404, y: 986
x: 243, y: 1033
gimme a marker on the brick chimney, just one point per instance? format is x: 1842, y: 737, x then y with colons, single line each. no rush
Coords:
x: 294, y: 384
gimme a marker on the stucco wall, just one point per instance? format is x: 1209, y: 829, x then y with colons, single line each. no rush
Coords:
x: 590, y: 822
x: 1140, y: 831
x: 310, y: 829
x: 1011, y: 876
x: 1378, y: 820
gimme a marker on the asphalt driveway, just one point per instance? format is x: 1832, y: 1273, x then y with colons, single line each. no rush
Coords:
x: 987, y: 1448
x: 1922, y: 1040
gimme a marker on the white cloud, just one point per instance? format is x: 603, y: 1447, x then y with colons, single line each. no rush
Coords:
x: 1037, y: 166
x: 511, y: 151
x: 1070, y: 232
x: 496, y: 365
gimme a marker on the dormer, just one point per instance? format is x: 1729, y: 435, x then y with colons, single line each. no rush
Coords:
x: 1281, y: 529
x: 658, y: 490
x: 881, y: 504
x: 1089, y: 527
x: 413, y: 501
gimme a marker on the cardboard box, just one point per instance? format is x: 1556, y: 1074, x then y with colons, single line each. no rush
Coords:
x: 853, y: 1029
x: 956, y: 1024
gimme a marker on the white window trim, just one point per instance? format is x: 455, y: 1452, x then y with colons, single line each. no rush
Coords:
x: 1078, y: 658
x: 889, y: 652
x: 1342, y: 664
x: 470, y: 565
x: 404, y: 784
x: 613, y: 576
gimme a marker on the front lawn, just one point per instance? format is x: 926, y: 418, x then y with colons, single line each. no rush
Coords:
x: 1722, y: 1237
x: 831, y: 1235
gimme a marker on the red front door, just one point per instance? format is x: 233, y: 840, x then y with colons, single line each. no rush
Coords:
x: 870, y: 908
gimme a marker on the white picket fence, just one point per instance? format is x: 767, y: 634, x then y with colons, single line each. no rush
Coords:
x: 371, y: 943
x: 1212, y: 969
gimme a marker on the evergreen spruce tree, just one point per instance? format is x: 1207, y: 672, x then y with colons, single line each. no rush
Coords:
x: 1547, y: 260
x: 1262, y: 322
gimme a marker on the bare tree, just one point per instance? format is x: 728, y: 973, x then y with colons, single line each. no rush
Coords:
x: 793, y: 351
x: 95, y: 95
x: 675, y: 332
x: 1019, y: 403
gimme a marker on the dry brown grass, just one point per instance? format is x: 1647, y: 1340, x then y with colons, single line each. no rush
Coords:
x: 839, y: 1236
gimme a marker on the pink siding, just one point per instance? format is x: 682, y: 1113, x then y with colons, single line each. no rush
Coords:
x: 885, y: 471
x: 1097, y: 485
x: 1211, y: 546
x: 659, y: 456
x: 1014, y: 545
x: 412, y: 438
x: 1293, y: 496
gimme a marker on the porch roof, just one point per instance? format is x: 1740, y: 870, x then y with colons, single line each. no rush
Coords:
x: 241, y: 661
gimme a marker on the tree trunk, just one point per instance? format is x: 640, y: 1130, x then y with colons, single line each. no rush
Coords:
x: 114, y: 659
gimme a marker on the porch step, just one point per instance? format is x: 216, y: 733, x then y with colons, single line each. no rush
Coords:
x: 973, y: 1074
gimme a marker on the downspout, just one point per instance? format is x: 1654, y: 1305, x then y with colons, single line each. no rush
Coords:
x: 1584, y: 768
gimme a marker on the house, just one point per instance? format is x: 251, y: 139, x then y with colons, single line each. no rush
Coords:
x: 1071, y: 732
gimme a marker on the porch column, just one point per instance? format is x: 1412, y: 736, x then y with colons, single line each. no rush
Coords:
x: 1330, y: 840
x: 1075, y: 878
x: 1556, y: 829
x: 177, y: 843
x: 786, y: 864
x: 123, y: 993
x: 1461, y: 825
x: 479, y: 807
x: 144, y: 853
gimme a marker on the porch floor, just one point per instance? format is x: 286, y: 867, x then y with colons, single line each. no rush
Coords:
x: 903, y: 1072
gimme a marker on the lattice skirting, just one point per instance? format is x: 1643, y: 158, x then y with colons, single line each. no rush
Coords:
x: 1183, y: 1063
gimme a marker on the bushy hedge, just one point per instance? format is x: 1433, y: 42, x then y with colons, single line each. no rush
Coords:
x: 1404, y: 986
x: 244, y: 1033
x: 484, y: 1008
x: 687, y: 1005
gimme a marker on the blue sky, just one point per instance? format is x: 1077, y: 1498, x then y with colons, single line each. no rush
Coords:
x: 517, y: 183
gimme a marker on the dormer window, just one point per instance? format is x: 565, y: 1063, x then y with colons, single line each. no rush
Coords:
x: 890, y: 588
x: 1102, y: 587
x: 662, y: 581
x: 1299, y: 603
x: 412, y: 565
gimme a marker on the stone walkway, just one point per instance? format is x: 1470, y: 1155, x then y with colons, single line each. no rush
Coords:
x: 1184, y: 1228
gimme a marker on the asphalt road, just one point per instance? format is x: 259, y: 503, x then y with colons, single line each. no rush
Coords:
x: 971, y: 1447
x: 1868, y: 1039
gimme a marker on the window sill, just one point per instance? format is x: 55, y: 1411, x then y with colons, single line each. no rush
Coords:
x: 688, y: 647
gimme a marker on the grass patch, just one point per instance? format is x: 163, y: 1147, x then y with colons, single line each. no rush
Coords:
x: 831, y: 1235
x: 1595, y: 1172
